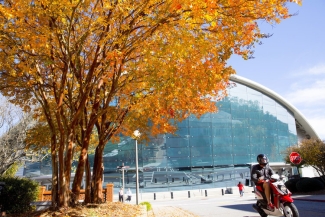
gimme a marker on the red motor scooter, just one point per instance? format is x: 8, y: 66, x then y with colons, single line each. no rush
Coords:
x: 280, y: 197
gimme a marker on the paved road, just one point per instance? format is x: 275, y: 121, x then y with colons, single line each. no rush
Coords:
x: 232, y: 206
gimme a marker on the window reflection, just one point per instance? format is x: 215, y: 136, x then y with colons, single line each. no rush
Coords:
x: 208, y: 151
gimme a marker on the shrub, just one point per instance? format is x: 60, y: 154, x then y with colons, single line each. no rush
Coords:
x: 147, y: 204
x: 17, y: 194
x: 309, y: 184
x: 291, y: 185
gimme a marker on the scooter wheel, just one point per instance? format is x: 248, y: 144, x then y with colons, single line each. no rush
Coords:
x: 290, y: 210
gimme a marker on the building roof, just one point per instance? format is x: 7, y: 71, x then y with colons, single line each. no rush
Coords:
x: 301, y: 122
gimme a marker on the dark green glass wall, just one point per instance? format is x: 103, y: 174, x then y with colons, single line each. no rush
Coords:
x: 213, y: 150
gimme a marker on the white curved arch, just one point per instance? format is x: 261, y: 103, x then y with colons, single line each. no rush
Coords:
x: 300, y: 118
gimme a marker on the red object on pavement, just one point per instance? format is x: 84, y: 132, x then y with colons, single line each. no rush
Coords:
x: 295, y: 158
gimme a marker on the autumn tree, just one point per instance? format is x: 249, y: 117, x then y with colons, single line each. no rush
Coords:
x: 13, y: 127
x: 114, y: 65
x: 312, y: 152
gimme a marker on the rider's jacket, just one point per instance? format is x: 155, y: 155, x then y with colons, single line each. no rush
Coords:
x: 258, y: 171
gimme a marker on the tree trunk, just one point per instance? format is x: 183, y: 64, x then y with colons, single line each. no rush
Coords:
x: 68, y: 162
x: 55, y: 186
x: 87, y: 182
x: 82, y: 162
x: 97, y: 178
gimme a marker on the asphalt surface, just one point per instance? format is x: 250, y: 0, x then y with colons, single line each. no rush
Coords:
x: 231, y: 205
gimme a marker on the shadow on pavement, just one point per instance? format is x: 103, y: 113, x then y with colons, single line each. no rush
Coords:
x: 243, y: 207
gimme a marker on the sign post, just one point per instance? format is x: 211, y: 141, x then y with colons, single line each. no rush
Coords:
x: 295, y: 158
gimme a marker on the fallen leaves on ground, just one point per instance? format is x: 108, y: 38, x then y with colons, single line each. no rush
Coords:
x: 111, y: 209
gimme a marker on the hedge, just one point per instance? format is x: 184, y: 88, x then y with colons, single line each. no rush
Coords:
x: 309, y: 184
x: 17, y: 194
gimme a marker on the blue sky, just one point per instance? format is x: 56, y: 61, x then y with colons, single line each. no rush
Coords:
x: 292, y: 61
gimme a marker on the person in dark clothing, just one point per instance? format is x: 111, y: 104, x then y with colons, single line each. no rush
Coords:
x: 121, y: 195
x: 261, y: 174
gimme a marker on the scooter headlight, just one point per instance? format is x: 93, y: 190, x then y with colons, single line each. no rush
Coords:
x: 283, y: 188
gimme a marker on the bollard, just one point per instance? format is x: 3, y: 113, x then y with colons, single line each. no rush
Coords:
x: 172, y: 195
x: 189, y: 194
x: 154, y: 196
x: 173, y: 179
x: 206, y: 193
x: 155, y: 180
x: 222, y: 192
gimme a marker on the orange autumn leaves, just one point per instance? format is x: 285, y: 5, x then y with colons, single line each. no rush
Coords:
x: 152, y: 56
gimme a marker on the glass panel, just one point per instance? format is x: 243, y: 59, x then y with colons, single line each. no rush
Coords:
x: 257, y: 141
x: 258, y: 149
x: 223, y: 104
x: 241, y: 150
x: 201, y: 151
x: 241, y: 141
x: 178, y: 152
x: 238, y: 88
x: 238, y: 114
x: 257, y: 131
x: 238, y: 104
x: 241, y: 159
x: 269, y: 117
x: 268, y: 101
x: 240, y: 132
x: 202, y: 122
x: 253, y: 91
x: 254, y: 114
x: 179, y: 162
x: 268, y: 109
x: 222, y: 114
x: 200, y: 141
x: 184, y: 123
x: 238, y: 95
x: 240, y: 123
x: 201, y: 162
x: 181, y: 132
x: 282, y: 118
x: 255, y: 99
x: 222, y: 140
x: 271, y: 132
x: 200, y: 131
x: 177, y: 142
x: 291, y: 119
x: 222, y: 150
x: 281, y: 110
x: 221, y: 123
x: 223, y: 160
x: 270, y: 125
x: 221, y: 131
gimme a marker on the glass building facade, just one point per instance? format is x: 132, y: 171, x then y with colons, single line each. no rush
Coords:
x: 213, y: 151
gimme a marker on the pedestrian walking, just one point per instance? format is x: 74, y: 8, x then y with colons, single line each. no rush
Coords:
x: 120, y: 195
x: 241, y: 188
x: 129, y: 195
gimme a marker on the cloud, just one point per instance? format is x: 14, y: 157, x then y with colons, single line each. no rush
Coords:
x: 317, y: 70
x: 316, y: 118
x: 307, y: 93
x: 312, y: 93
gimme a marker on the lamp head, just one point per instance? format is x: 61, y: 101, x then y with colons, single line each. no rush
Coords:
x: 136, y: 133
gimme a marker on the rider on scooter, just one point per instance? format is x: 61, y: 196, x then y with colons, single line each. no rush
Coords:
x: 261, y: 173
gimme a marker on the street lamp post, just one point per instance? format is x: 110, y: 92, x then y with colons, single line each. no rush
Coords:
x: 136, y: 134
